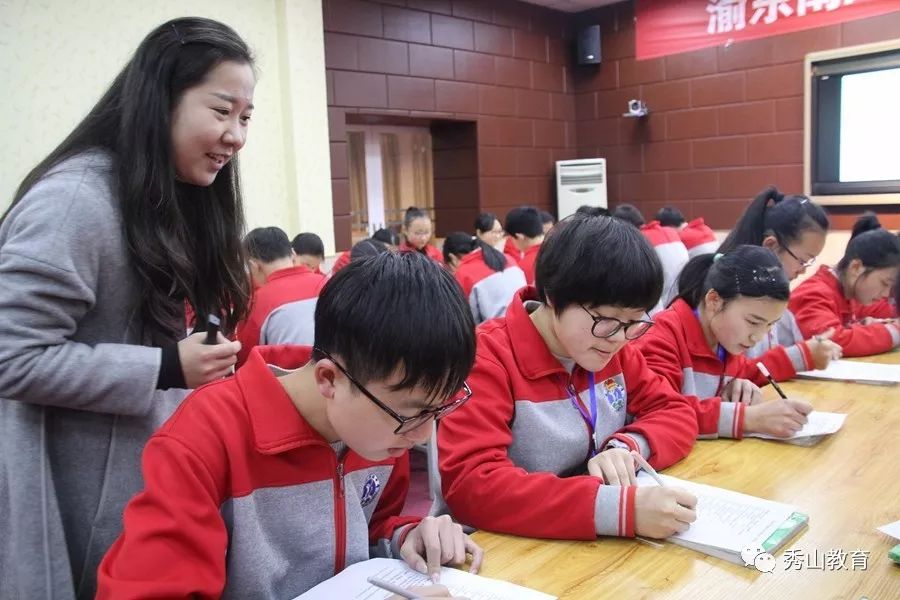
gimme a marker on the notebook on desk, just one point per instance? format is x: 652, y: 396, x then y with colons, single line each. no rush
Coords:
x: 819, y: 425
x: 729, y: 522
x: 856, y: 372
x: 351, y: 584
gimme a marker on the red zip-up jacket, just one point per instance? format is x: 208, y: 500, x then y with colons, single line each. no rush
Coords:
x: 342, y: 261
x: 244, y: 499
x: 513, y: 459
x: 529, y: 261
x: 819, y: 304
x: 511, y: 250
x: 672, y: 255
x: 282, y: 311
x: 698, y: 238
x: 489, y: 292
x: 676, y: 349
x: 430, y: 251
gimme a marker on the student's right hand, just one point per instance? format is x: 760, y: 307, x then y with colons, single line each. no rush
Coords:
x: 663, y: 511
x: 203, y: 363
x: 823, y: 350
x: 430, y: 591
x: 781, y: 418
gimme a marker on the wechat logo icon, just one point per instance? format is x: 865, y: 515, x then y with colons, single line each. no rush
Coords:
x: 756, y: 557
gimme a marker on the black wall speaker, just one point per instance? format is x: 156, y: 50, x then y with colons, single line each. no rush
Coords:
x: 588, y: 45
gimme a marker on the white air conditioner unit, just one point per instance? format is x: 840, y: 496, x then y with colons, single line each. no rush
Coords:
x: 580, y: 182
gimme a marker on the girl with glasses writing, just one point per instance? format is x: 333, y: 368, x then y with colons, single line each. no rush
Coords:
x: 562, y: 398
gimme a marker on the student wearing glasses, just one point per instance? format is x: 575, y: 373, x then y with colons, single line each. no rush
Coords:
x: 543, y: 448
x: 837, y: 298
x: 266, y: 484
x: 794, y: 228
x: 726, y: 303
x: 417, y: 232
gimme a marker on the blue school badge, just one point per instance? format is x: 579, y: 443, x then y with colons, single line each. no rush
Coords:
x: 615, y: 394
x: 370, y: 489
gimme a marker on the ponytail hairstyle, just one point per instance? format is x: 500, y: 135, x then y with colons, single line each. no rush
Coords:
x: 876, y: 248
x: 461, y: 243
x: 183, y: 240
x: 751, y: 271
x: 773, y: 213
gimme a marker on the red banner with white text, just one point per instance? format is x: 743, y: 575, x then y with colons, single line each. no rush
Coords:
x: 671, y: 26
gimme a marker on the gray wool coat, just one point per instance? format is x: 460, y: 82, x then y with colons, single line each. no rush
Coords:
x: 78, y: 397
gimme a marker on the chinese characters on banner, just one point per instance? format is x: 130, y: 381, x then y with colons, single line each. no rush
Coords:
x: 665, y: 27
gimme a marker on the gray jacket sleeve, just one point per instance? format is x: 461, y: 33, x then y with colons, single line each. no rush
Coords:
x: 53, y: 246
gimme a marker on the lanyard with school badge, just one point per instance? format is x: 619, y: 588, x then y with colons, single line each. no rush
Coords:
x: 589, y: 419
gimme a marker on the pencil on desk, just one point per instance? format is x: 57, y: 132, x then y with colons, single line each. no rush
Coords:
x: 762, y: 369
x: 390, y: 587
x: 640, y: 460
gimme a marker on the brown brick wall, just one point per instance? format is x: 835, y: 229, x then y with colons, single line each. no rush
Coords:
x: 724, y: 122
x: 502, y: 65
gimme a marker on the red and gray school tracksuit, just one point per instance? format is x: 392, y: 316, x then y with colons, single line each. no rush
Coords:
x: 282, y: 311
x: 819, y: 304
x: 676, y: 349
x: 489, y: 292
x: 428, y: 250
x: 673, y: 256
x: 244, y: 499
x: 698, y: 238
x: 513, y: 459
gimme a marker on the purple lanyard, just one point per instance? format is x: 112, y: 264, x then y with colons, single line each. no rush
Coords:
x: 721, y: 353
x: 590, y: 419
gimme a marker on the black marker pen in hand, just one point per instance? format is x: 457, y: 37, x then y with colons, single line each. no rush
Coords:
x: 212, y: 330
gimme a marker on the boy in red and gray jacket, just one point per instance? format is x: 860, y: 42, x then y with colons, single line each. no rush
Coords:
x: 543, y: 449
x: 266, y: 484
x: 284, y: 294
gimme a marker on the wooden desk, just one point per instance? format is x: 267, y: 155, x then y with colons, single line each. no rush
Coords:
x: 848, y: 484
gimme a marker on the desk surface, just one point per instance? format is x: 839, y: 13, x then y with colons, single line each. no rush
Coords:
x: 849, y: 484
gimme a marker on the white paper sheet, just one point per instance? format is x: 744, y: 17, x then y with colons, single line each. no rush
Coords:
x: 859, y: 372
x: 726, y: 519
x: 351, y: 584
x: 891, y: 529
x: 819, y: 423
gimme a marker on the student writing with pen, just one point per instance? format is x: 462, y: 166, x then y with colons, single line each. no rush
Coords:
x: 726, y: 304
x: 543, y: 447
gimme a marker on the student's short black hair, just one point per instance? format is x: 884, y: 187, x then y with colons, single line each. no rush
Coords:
x: 485, y: 222
x: 876, y: 248
x: 366, y: 248
x: 751, y: 271
x: 630, y: 214
x: 669, y: 216
x: 387, y: 236
x: 267, y: 244
x: 596, y: 261
x: 592, y: 211
x: 772, y: 213
x: 546, y: 217
x: 367, y: 318
x: 525, y: 220
x: 308, y: 244
x: 461, y: 243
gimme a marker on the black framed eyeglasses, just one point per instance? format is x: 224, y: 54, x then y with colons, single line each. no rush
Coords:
x: 406, y: 424
x: 803, y: 263
x: 606, y: 327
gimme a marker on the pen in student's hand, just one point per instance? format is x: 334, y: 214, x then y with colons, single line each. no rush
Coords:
x: 762, y: 369
x: 212, y: 330
x: 390, y: 587
x: 642, y: 462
